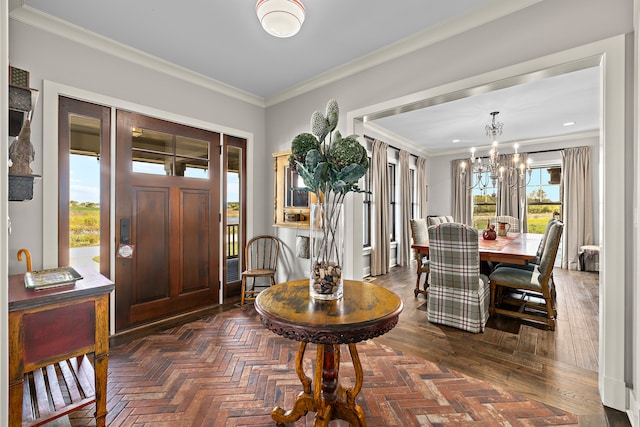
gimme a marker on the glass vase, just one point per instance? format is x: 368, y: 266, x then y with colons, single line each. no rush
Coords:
x: 327, y: 251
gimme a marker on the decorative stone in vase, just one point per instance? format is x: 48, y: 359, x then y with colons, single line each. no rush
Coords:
x: 327, y: 251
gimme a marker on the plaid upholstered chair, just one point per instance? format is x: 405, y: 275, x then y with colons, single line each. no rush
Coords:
x: 420, y: 235
x: 530, y: 290
x: 458, y: 293
x: 435, y: 220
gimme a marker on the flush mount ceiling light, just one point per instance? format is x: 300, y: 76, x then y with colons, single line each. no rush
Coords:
x: 280, y: 18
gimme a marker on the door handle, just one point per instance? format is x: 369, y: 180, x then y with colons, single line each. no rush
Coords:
x: 125, y: 231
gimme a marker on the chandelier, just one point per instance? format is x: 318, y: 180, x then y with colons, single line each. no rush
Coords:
x: 490, y: 170
x: 280, y: 18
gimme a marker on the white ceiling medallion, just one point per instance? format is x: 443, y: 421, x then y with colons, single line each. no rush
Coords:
x: 280, y: 18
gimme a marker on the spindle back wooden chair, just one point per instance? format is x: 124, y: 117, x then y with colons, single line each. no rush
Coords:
x: 261, y: 257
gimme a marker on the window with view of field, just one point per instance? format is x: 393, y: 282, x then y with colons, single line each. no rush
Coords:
x: 84, y: 206
x: 484, y: 204
x: 543, y: 200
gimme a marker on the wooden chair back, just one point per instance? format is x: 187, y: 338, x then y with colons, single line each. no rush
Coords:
x: 261, y: 253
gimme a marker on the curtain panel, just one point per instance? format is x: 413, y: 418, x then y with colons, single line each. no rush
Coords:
x: 421, y: 182
x: 577, y: 204
x: 512, y: 191
x: 461, y: 198
x: 404, y: 246
x: 381, y: 241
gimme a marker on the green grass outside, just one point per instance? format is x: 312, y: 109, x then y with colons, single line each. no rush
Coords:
x: 84, y: 226
x: 536, y: 222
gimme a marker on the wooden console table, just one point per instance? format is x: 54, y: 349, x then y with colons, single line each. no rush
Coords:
x: 51, y: 332
x: 364, y: 312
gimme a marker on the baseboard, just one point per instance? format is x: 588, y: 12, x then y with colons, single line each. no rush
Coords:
x: 633, y: 413
x: 613, y: 392
x: 130, y: 334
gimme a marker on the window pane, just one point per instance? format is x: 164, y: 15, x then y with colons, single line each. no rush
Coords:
x: 152, y: 163
x: 192, y: 168
x: 84, y: 191
x: 392, y: 200
x: 190, y: 147
x: 543, y: 200
x: 151, y: 140
x: 366, y: 209
x: 484, y: 202
x: 232, y: 212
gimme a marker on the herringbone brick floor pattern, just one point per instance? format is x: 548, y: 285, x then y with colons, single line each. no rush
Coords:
x: 228, y: 370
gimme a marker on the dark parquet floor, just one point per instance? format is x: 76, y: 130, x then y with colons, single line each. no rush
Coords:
x: 227, y: 370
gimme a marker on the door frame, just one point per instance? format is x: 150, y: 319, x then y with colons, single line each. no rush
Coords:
x: 225, y: 287
x: 50, y: 94
x: 102, y: 113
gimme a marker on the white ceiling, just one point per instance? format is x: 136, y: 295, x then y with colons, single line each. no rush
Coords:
x: 222, y: 40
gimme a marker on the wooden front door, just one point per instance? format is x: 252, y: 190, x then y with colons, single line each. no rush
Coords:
x: 167, y: 219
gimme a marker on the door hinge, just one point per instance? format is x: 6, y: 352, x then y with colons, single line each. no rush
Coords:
x: 219, y: 217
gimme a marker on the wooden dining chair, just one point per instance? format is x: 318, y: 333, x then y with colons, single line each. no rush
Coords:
x: 530, y: 291
x: 420, y: 235
x: 261, y: 257
x: 458, y: 293
x: 531, y: 265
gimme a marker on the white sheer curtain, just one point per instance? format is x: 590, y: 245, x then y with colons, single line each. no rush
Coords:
x: 404, y: 247
x: 421, y: 182
x: 381, y: 241
x: 512, y: 191
x: 461, y: 198
x: 577, y: 204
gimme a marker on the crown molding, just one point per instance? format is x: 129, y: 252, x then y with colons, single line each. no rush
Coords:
x: 30, y: 16
x: 531, y: 143
x: 394, y: 139
x: 494, y: 10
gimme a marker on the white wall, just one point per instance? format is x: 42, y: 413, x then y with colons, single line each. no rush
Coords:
x: 439, y: 173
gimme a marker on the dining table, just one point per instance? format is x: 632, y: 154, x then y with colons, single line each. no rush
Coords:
x: 514, y: 248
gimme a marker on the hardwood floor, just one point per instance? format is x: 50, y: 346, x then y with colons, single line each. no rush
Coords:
x: 558, y: 367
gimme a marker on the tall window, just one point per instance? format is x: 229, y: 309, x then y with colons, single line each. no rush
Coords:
x: 484, y: 204
x: 392, y: 201
x: 366, y: 209
x: 543, y: 197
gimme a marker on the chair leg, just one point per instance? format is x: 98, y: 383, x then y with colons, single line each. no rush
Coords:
x: 242, y: 286
x: 416, y: 291
x: 551, y: 319
x: 492, y: 300
x: 426, y: 282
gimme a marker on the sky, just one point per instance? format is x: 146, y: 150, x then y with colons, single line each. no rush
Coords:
x: 85, y: 180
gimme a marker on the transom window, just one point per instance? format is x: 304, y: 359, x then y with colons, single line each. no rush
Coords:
x: 160, y: 153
